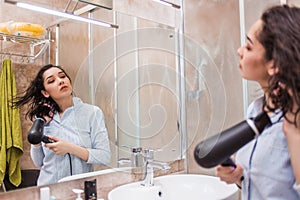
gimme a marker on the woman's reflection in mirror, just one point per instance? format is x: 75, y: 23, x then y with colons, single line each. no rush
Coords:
x: 77, y: 129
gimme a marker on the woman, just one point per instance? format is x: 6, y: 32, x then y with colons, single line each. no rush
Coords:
x: 285, y: 85
x: 264, y: 169
x: 77, y: 129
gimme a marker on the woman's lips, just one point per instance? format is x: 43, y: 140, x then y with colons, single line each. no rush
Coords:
x: 63, y: 87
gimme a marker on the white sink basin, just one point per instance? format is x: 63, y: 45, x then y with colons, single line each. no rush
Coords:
x: 177, y: 187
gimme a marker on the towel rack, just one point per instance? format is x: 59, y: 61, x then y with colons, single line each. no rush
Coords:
x: 33, y: 42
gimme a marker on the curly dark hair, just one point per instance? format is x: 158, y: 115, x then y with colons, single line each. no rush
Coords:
x: 38, y: 104
x: 280, y: 36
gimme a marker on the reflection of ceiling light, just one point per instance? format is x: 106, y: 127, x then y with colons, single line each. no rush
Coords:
x: 166, y: 3
x: 61, y: 14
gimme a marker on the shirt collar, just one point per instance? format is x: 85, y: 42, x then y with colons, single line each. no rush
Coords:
x: 76, y: 102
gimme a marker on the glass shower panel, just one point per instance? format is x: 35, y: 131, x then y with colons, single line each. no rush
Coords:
x: 147, y: 96
x: 127, y: 84
x: 213, y: 82
x: 158, y: 89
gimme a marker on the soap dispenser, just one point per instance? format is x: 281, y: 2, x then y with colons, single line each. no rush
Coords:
x: 78, y: 192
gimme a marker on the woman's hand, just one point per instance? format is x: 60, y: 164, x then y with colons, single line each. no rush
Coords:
x: 290, y: 129
x: 61, y: 147
x: 230, y: 174
x: 292, y: 134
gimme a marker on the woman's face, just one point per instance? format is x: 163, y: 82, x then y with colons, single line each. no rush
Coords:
x: 253, y: 64
x: 56, y: 83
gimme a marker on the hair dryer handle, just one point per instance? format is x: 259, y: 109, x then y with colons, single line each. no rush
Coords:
x: 46, y: 139
x: 228, y: 162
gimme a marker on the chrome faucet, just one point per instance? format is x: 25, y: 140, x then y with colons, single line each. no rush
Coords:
x: 136, y: 157
x: 149, y: 166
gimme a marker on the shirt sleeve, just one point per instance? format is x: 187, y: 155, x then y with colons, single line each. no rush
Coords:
x: 99, y: 153
x: 37, y: 155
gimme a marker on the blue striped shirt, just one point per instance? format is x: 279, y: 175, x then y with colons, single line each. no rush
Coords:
x: 268, y: 173
x: 82, y: 124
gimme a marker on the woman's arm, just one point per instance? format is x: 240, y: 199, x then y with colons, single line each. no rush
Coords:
x: 37, y: 154
x: 292, y: 134
x: 61, y: 147
x: 99, y: 153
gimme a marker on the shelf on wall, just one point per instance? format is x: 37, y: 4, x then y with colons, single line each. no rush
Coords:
x: 19, y: 39
x: 32, y: 41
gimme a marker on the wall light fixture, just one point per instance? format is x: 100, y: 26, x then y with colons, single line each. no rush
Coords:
x: 61, y: 14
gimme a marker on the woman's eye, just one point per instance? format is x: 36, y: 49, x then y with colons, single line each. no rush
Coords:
x: 50, y: 81
x: 62, y: 76
x: 248, y: 47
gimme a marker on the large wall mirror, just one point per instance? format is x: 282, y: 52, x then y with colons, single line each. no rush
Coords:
x: 132, y: 73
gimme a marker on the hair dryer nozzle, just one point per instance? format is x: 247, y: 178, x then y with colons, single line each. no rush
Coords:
x: 218, y: 148
x: 261, y: 121
x: 35, y: 133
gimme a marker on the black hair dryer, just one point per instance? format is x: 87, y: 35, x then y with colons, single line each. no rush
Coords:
x: 36, y: 132
x: 218, y: 148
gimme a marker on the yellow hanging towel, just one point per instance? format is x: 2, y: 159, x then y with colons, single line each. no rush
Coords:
x: 11, y: 146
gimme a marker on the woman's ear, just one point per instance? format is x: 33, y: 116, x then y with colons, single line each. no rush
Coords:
x: 271, y: 68
x: 45, y: 93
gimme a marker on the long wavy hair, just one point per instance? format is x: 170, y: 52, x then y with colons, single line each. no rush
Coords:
x: 280, y: 36
x: 38, y: 105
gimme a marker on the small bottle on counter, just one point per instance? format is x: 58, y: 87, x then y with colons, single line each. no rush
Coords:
x: 78, y: 192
